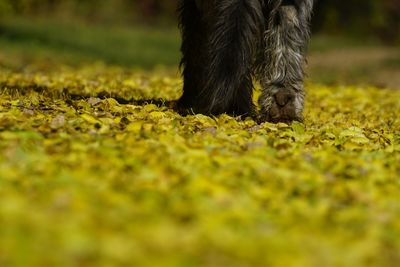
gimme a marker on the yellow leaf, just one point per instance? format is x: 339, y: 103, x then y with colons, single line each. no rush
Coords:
x: 90, y: 119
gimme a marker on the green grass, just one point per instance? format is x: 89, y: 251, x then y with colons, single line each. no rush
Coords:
x: 326, y: 43
x: 76, y: 43
x: 92, y: 173
x: 137, y: 46
x: 332, y: 60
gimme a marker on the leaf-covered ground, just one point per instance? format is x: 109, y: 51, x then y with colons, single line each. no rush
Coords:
x: 95, y: 173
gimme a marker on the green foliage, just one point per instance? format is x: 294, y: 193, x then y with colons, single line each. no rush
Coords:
x: 74, y: 42
x: 361, y: 18
x: 91, y: 175
x: 5, y: 8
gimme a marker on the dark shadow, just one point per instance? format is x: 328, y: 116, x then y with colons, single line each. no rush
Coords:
x: 68, y: 97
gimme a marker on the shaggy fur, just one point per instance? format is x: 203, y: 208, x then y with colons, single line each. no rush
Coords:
x: 226, y: 43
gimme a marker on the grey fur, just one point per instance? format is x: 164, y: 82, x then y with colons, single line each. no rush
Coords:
x: 282, y: 75
x: 225, y: 42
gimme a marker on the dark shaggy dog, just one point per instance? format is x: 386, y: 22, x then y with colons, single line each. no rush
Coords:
x: 226, y: 43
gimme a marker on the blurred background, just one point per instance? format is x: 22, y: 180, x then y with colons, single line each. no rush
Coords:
x: 354, y: 41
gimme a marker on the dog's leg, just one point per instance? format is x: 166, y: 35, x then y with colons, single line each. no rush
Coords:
x: 235, y: 32
x: 223, y: 79
x: 286, y: 39
x: 193, y: 50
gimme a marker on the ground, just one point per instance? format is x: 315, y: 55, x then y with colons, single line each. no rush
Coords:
x: 97, y: 170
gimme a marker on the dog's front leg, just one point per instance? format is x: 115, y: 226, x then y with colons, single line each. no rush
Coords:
x: 282, y: 73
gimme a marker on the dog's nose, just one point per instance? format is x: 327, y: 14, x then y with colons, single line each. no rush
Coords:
x: 283, y: 97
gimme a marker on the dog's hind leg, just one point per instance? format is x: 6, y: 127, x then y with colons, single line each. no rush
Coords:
x: 235, y: 32
x: 218, y: 59
x: 193, y: 50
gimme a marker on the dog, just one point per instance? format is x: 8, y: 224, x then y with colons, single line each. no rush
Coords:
x: 227, y: 44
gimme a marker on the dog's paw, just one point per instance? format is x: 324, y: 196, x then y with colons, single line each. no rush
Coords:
x: 283, y: 105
